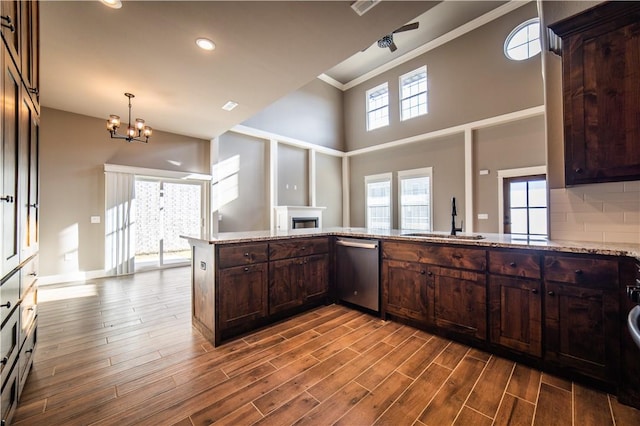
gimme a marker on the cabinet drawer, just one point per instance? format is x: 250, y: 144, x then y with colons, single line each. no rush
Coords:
x: 515, y: 264
x: 28, y: 312
x: 9, y: 396
x: 436, y: 254
x: 26, y: 356
x: 9, y: 295
x: 298, y: 247
x: 243, y: 254
x: 585, y: 271
x: 29, y: 274
x: 9, y: 338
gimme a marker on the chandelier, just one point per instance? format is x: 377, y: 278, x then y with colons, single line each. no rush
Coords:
x: 137, y: 131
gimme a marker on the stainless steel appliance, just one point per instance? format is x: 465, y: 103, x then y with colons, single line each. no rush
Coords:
x: 357, y: 269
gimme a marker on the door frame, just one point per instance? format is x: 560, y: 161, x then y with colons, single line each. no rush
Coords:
x: 511, y: 173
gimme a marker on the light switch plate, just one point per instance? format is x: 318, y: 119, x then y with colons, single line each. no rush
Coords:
x: 483, y: 216
x: 95, y: 219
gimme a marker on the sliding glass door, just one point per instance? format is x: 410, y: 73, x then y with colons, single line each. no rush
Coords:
x: 164, y: 210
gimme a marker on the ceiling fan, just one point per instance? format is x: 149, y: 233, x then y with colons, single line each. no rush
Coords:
x: 387, y: 40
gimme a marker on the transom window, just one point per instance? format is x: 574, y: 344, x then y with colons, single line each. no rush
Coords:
x: 524, y: 41
x: 413, y: 93
x: 414, y: 187
x: 378, y: 107
x: 378, y: 193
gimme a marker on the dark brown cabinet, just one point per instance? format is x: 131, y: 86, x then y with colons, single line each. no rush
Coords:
x: 582, y: 315
x: 242, y: 286
x: 298, y: 273
x: 515, y: 301
x: 242, y: 295
x: 458, y: 301
x: 436, y: 286
x: 404, y: 290
x: 601, y: 95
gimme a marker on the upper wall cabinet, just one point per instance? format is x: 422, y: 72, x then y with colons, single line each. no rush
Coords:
x: 601, y: 93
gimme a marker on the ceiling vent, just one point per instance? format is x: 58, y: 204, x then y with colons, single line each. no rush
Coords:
x: 363, y: 6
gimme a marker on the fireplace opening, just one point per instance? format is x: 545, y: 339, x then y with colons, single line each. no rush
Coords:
x: 304, y: 222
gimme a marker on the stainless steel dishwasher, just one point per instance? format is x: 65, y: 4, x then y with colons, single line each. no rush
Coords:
x: 357, y: 272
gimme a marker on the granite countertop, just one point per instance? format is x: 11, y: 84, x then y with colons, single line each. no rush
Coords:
x: 487, y: 240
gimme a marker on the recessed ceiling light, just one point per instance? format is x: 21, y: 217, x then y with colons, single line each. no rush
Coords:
x: 114, y: 4
x: 205, y: 44
x: 229, y: 106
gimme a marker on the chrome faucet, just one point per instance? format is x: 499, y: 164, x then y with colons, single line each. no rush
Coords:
x: 454, y: 213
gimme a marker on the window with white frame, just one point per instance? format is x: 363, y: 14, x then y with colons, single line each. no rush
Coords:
x: 413, y: 93
x: 414, y: 189
x: 378, y: 199
x: 378, y: 107
x: 524, y: 41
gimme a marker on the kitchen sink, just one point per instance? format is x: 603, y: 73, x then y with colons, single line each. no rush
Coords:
x: 633, y: 321
x: 443, y: 235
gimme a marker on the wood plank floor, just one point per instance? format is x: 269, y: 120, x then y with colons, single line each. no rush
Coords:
x: 122, y: 351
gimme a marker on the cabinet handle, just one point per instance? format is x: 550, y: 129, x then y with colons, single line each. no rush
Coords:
x: 246, y: 269
x: 578, y: 271
x: 423, y: 272
x: 303, y: 248
x: 578, y: 170
x: 430, y: 273
x: 456, y: 256
x: 9, y: 23
x: 551, y: 293
x: 28, y: 351
x: 6, y: 305
x: 34, y: 205
x: 33, y: 274
x: 512, y: 264
x: 8, y: 199
x: 34, y: 90
x: 4, y: 361
x: 534, y: 290
x: 246, y: 255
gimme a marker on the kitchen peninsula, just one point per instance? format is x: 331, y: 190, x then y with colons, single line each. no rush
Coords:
x: 556, y: 305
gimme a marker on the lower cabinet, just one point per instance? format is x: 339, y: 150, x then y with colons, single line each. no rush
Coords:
x: 582, y: 316
x: 515, y: 314
x: 294, y: 282
x: 458, y: 301
x: 242, y: 295
x: 404, y: 290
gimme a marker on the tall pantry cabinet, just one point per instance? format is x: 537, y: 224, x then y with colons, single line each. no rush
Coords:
x: 19, y: 196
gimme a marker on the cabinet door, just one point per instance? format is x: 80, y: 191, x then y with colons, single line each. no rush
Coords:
x: 30, y: 11
x: 11, y: 27
x: 581, y: 329
x: 404, y: 290
x: 601, y: 100
x: 316, y: 276
x: 10, y: 165
x: 285, y: 284
x: 29, y: 183
x: 515, y: 313
x: 243, y: 295
x: 458, y: 301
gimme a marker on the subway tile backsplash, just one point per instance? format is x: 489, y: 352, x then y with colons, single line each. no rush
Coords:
x: 606, y: 212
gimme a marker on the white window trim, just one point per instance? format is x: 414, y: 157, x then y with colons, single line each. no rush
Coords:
x: 513, y: 32
x: 400, y: 98
x: 510, y: 173
x: 366, y: 108
x: 382, y: 177
x: 414, y: 173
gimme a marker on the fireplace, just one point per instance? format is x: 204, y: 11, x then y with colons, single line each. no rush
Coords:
x: 298, y: 217
x: 304, y: 222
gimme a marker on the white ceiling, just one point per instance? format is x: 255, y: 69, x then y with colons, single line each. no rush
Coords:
x: 91, y: 54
